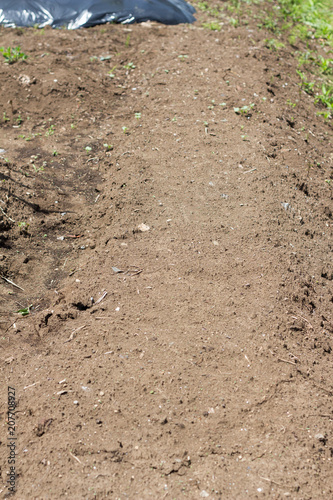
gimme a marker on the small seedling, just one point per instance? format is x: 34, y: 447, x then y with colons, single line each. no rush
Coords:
x: 108, y: 147
x: 12, y: 55
x: 125, y: 130
x: 291, y: 104
x: 128, y: 39
x: 326, y: 65
x: 39, y: 169
x: 129, y: 65
x: 212, y: 26
x: 50, y: 131
x: 5, y: 117
x: 307, y: 86
x: 138, y: 116
x: 182, y: 57
x: 25, y: 310
x: 55, y: 153
x: 244, y: 110
x: 111, y: 72
x: 23, y: 227
x: 88, y: 149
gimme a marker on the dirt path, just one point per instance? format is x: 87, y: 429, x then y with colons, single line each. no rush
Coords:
x: 206, y: 370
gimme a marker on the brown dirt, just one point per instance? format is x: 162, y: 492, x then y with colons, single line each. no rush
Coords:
x: 206, y: 370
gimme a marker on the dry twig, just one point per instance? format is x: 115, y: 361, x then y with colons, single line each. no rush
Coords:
x: 12, y: 283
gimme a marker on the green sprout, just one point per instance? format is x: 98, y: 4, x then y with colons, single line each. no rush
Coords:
x: 12, y: 55
x: 25, y: 310
x: 129, y: 65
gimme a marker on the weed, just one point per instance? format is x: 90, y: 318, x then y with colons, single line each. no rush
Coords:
x: 234, y: 22
x: 12, y: 55
x: 269, y: 23
x: 5, y: 117
x: 274, y: 44
x: 127, y: 42
x: 204, y: 6
x: 55, y: 153
x: 214, y: 26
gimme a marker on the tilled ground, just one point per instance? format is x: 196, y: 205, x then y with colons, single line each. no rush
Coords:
x: 177, y: 258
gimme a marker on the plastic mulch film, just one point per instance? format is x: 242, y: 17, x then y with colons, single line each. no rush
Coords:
x: 73, y: 14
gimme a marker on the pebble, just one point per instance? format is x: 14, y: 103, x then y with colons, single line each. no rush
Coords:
x: 321, y: 438
x: 143, y: 227
x: 204, y: 494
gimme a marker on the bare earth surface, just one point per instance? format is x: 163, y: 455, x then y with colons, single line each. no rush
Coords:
x: 177, y: 257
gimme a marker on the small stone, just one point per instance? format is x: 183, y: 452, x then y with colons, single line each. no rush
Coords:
x: 143, y: 227
x: 101, y: 393
x: 204, y: 494
x: 76, y: 402
x: 321, y: 437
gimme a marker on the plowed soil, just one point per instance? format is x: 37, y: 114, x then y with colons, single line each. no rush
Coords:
x: 175, y: 257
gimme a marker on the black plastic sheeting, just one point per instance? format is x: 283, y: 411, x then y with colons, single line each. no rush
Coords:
x: 74, y: 14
